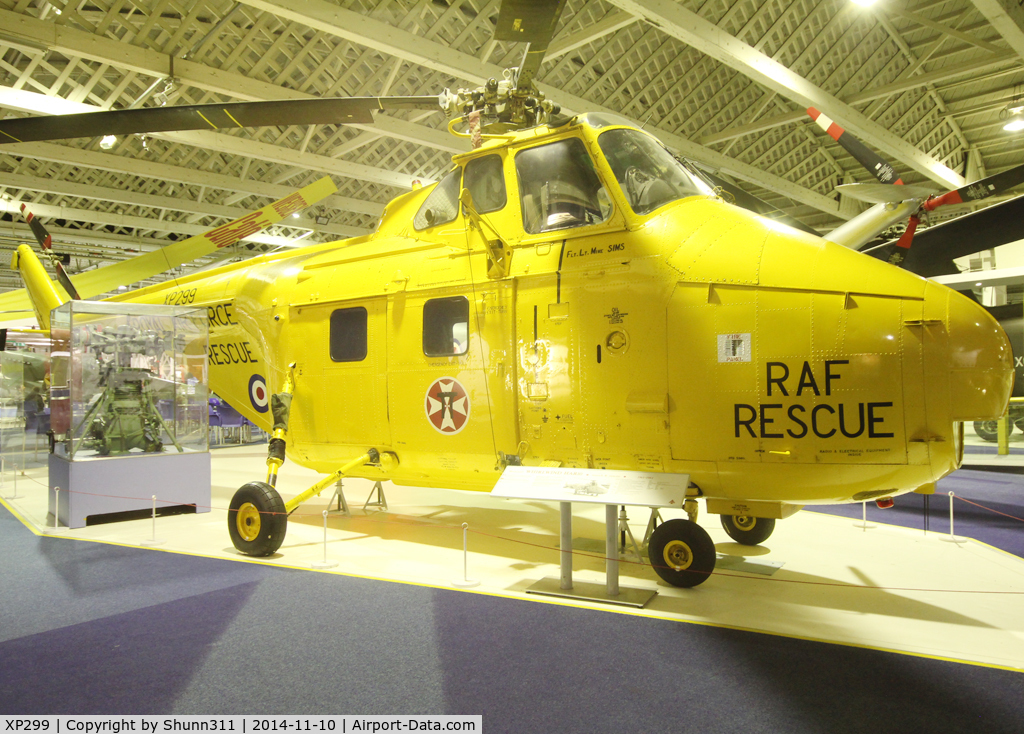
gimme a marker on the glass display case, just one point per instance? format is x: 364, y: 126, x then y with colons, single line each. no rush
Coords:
x: 128, y: 379
x: 24, y: 395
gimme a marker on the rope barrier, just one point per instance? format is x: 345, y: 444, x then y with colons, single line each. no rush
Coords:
x: 997, y: 512
x: 376, y: 519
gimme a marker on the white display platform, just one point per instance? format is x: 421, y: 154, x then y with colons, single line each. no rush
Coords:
x: 817, y: 578
x: 126, y: 483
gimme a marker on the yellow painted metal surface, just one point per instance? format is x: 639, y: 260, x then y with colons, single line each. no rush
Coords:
x: 44, y: 295
x: 770, y: 365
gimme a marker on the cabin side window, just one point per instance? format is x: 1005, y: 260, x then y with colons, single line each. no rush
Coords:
x: 485, y: 181
x: 559, y: 187
x: 442, y: 204
x: 446, y: 326
x: 348, y: 335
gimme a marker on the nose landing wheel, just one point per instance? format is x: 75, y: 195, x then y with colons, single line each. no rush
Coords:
x: 682, y: 553
x: 257, y: 519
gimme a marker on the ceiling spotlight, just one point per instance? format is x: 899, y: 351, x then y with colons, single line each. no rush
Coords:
x: 1013, y: 113
x: 864, y: 3
x: 1015, y: 123
x: 295, y: 215
x: 108, y: 142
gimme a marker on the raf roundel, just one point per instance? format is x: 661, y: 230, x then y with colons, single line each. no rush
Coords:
x: 447, y: 405
x: 259, y: 396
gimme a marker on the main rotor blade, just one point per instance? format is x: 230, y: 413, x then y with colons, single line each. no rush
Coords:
x: 880, y: 168
x: 532, y: 22
x: 330, y: 111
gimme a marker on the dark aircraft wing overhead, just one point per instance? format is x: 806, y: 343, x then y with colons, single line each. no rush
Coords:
x: 936, y: 247
x: 330, y: 111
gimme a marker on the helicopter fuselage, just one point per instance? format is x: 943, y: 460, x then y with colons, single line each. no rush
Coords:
x: 607, y: 324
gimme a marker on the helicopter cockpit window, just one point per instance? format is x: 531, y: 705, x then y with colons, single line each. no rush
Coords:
x: 559, y: 187
x: 348, y: 335
x: 446, y: 326
x: 486, y: 182
x: 647, y: 173
x: 442, y: 204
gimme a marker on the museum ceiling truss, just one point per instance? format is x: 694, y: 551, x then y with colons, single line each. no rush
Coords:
x: 928, y: 84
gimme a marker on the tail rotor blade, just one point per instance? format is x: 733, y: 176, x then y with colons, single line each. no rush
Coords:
x: 45, y: 241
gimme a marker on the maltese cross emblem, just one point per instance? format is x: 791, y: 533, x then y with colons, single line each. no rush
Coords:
x: 447, y: 405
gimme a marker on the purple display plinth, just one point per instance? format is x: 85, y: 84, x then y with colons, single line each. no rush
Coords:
x: 126, y: 483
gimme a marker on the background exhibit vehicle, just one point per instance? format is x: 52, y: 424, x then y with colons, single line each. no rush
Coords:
x: 571, y: 296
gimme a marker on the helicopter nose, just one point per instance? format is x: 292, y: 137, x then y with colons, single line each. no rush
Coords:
x: 979, y: 357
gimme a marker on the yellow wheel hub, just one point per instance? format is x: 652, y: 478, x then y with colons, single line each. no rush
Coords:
x: 248, y: 522
x: 744, y: 522
x: 678, y: 555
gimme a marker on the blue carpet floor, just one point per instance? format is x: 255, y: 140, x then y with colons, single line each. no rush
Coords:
x: 93, y: 628
x: 999, y: 521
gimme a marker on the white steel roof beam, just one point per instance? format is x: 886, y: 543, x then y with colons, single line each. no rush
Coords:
x: 169, y: 203
x: 706, y: 37
x: 72, y: 42
x: 366, y: 31
x: 190, y: 176
x: 1007, y: 17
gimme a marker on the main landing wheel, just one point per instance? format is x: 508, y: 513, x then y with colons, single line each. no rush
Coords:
x: 988, y: 430
x: 747, y: 529
x: 682, y: 553
x: 257, y: 519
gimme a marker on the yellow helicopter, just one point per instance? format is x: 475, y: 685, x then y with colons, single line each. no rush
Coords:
x: 570, y: 294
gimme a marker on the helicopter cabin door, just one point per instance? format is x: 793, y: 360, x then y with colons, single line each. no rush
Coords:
x: 340, y: 391
x: 450, y: 376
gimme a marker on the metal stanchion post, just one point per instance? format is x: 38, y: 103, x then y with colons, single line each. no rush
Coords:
x: 864, y: 524
x: 15, y: 496
x: 952, y: 537
x: 466, y: 582
x: 325, y: 563
x: 153, y: 540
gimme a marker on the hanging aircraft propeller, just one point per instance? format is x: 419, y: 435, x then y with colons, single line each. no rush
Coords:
x: 886, y: 192
x: 45, y: 241
x: 880, y: 168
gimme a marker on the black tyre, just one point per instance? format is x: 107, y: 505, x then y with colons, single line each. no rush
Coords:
x: 257, y: 519
x: 747, y: 529
x: 987, y: 430
x: 682, y: 553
